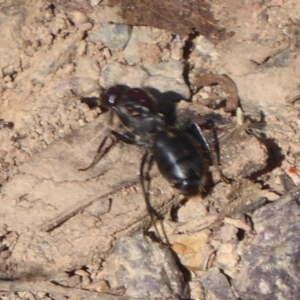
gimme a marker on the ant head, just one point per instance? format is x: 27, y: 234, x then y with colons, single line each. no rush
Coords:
x: 109, y: 96
x: 133, y: 99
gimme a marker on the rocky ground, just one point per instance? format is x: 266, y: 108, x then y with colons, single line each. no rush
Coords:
x: 69, y: 234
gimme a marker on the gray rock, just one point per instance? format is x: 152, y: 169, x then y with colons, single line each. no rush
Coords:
x: 132, y: 51
x: 271, y: 267
x: 168, y: 84
x: 171, y: 68
x: 114, y: 36
x: 216, y: 282
x: 146, y: 269
x: 168, y: 76
x: 142, y: 38
x: 165, y: 77
x: 116, y: 73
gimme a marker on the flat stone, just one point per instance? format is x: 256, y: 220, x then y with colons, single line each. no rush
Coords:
x: 113, y: 36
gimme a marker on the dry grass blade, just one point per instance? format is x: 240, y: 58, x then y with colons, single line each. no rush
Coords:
x: 233, y: 131
x: 55, y: 290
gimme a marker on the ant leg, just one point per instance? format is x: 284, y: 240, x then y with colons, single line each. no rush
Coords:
x: 214, y: 159
x: 203, y: 142
x: 150, y: 210
x: 145, y: 176
x: 101, y: 152
x: 125, y: 139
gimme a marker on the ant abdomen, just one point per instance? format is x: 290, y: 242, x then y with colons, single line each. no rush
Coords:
x: 180, y: 160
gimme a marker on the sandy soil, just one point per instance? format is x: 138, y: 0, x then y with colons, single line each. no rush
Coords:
x: 58, y: 225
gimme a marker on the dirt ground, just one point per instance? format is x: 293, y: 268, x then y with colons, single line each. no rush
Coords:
x: 67, y: 234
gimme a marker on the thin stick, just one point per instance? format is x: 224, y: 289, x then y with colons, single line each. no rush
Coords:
x: 49, y: 288
x: 227, y: 84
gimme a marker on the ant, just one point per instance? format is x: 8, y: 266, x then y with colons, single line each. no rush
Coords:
x: 4, y: 124
x: 177, y: 154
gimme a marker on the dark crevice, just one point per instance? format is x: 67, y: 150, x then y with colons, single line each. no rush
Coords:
x: 275, y: 159
x: 51, y: 7
x: 185, y: 272
x: 71, y: 22
x: 240, y: 234
x: 249, y: 221
x: 85, y: 35
x: 187, y: 50
x: 186, y: 71
x: 189, y: 45
x: 71, y: 273
x: 229, y: 279
x: 175, y: 209
x: 261, y: 63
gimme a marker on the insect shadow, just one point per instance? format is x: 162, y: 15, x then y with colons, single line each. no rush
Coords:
x: 148, y: 119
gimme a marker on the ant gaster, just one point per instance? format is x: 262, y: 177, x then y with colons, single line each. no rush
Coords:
x: 176, y: 153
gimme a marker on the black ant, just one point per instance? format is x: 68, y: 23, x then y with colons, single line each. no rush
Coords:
x: 176, y: 153
x: 4, y: 124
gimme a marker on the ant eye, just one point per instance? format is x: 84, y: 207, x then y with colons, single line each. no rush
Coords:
x: 112, y: 98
